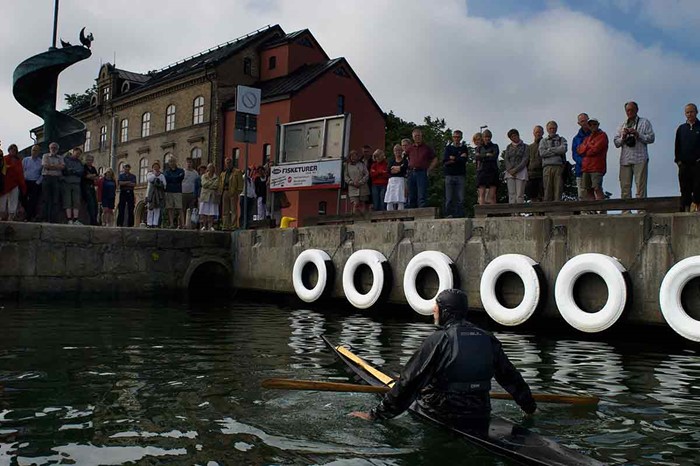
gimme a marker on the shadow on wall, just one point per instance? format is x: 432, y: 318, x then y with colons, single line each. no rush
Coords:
x: 210, y: 276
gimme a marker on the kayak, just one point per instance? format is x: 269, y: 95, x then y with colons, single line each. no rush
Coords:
x: 500, y: 436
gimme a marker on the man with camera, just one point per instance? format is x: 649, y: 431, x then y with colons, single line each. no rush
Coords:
x: 633, y: 136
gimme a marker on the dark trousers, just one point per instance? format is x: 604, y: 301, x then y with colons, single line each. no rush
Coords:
x: 378, y: 193
x: 90, y: 197
x: 125, y: 217
x: 417, y: 188
x: 454, y: 195
x: 51, y: 190
x: 689, y: 181
x: 31, y: 200
x: 251, y: 210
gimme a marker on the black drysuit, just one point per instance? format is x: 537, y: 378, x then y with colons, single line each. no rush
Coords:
x: 450, y: 376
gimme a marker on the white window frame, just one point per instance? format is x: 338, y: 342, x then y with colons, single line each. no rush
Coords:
x: 198, y: 110
x: 103, y: 137
x: 170, y: 117
x: 124, y: 133
x: 146, y: 124
x: 105, y: 94
x: 143, y: 169
x: 88, y: 141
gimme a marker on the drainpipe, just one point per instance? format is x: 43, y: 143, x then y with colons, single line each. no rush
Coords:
x: 113, y: 144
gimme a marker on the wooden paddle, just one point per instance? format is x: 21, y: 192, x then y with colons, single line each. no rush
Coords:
x: 290, y: 384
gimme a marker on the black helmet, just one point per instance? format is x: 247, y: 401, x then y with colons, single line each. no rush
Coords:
x: 453, y: 304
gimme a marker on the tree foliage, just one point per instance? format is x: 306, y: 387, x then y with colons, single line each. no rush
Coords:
x: 78, y: 100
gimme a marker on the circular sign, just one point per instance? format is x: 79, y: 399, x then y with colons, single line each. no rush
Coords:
x: 250, y: 100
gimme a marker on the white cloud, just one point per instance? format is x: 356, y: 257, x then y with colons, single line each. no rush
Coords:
x: 416, y: 59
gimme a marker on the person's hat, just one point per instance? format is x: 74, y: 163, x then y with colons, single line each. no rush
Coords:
x: 126, y: 165
x: 591, y: 120
x: 453, y: 300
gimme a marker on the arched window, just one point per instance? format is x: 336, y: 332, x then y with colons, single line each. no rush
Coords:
x: 125, y: 130
x: 198, y: 111
x: 143, y: 170
x: 120, y: 168
x: 196, y: 156
x: 272, y: 63
x: 170, y: 118
x: 267, y: 150
x: 166, y: 158
x: 247, y: 67
x: 146, y: 125
x: 86, y: 148
x: 103, y: 137
x: 340, y: 104
x: 101, y: 171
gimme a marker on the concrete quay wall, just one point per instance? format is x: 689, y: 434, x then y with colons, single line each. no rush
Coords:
x: 44, y: 259
x: 646, y: 245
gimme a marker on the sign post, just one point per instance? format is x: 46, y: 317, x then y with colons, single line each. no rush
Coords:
x: 246, y: 130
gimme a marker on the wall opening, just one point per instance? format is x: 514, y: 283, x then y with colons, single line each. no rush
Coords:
x: 208, y: 277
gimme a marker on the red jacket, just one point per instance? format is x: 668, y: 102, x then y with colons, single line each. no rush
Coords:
x: 379, y: 173
x: 594, y: 150
x: 14, y: 175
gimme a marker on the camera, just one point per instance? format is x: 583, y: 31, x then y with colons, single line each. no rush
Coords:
x: 630, y: 140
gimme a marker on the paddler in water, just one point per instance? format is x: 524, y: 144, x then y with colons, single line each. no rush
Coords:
x: 450, y: 375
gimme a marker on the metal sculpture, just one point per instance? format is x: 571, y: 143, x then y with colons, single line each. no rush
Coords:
x: 35, y: 82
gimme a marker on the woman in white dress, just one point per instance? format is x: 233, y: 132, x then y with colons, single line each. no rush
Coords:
x: 395, y: 197
x: 155, y: 195
x: 209, y: 198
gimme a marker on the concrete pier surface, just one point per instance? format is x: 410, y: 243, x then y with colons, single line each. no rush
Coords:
x: 64, y: 260
x: 646, y: 245
x: 129, y: 262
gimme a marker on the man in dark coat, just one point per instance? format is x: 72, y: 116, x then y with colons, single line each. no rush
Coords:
x: 449, y: 376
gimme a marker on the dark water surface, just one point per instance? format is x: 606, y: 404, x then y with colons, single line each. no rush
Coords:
x: 148, y: 384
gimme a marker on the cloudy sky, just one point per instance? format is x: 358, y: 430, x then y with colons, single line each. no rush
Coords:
x: 501, y: 63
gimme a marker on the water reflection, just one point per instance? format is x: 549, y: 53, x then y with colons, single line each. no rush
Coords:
x: 307, y: 327
x: 363, y: 334
x: 157, y: 384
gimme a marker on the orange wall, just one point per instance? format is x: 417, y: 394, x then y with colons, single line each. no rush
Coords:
x: 300, y: 55
x: 320, y: 99
x: 282, y: 67
x: 317, y: 100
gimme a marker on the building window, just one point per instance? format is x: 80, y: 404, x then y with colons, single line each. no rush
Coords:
x: 340, y: 104
x: 124, y: 131
x: 267, y: 150
x: 86, y: 147
x: 105, y: 94
x: 236, y: 156
x: 101, y: 171
x: 143, y: 170
x: 146, y: 124
x: 272, y: 63
x: 198, y: 111
x: 247, y: 67
x: 170, y: 118
x: 196, y: 156
x: 103, y: 137
x: 120, y: 168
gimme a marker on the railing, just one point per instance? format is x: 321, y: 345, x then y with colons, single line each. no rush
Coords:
x: 652, y: 204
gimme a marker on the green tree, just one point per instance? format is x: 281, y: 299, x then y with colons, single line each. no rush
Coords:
x: 78, y: 100
x: 436, y: 134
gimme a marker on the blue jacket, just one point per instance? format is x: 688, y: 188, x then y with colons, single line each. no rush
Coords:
x: 578, y: 139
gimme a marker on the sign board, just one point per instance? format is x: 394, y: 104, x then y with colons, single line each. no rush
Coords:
x: 246, y: 128
x: 248, y: 100
x: 321, y: 174
x: 310, y: 140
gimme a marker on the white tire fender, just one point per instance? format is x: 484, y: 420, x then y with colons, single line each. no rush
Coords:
x: 524, y: 267
x: 376, y: 261
x: 670, y: 292
x: 324, y: 266
x: 611, y: 271
x: 441, y: 264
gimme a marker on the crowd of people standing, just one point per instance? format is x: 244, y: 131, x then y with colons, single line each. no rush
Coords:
x: 532, y: 172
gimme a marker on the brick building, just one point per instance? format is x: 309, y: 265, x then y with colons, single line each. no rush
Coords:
x: 184, y: 110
